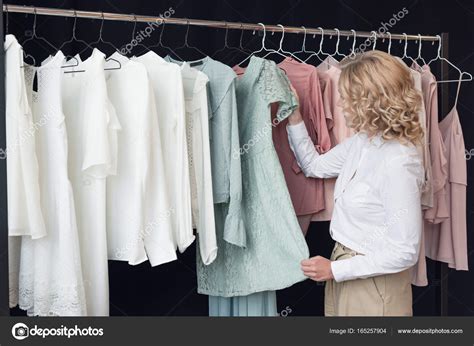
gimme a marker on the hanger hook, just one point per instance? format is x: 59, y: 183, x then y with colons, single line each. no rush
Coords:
x: 6, y: 18
x: 74, y: 25
x: 264, y: 34
x: 338, y: 40
x: 34, y: 22
x: 241, y: 36
x: 406, y: 44
x: 101, y: 26
x: 389, y: 41
x: 226, y: 33
x: 322, y: 39
x: 354, y: 34
x: 134, y: 25
x: 161, y: 34
x: 187, y: 33
x: 374, y: 35
x: 419, y: 46
x: 282, y: 36
x: 304, y: 40
x: 439, y: 46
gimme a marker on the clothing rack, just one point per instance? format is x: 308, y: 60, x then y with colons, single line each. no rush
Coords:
x: 203, y: 22
x: 441, y: 270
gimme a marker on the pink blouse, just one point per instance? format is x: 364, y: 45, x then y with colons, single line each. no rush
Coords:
x: 307, y: 194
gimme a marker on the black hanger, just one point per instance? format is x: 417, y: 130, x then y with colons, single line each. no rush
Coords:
x: 186, y: 42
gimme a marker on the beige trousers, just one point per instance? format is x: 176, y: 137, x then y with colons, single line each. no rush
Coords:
x: 384, y: 295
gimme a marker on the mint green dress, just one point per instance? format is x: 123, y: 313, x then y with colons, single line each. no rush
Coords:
x: 274, y: 246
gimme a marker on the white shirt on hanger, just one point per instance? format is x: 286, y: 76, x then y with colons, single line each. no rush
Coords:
x: 25, y: 217
x: 167, y: 85
x: 139, y: 215
x: 92, y: 130
x: 377, y: 209
x: 199, y: 154
x: 51, y: 282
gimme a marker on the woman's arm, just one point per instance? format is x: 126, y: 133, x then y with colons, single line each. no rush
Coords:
x: 313, y: 164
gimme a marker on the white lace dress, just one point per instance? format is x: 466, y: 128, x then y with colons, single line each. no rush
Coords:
x: 50, y: 280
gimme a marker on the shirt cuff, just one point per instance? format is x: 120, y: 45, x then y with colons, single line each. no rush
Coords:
x: 341, y: 270
x: 297, y: 131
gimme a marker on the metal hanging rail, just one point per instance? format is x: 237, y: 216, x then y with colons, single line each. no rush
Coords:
x: 204, y: 23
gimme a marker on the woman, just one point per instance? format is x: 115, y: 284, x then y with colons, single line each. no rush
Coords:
x: 376, y: 220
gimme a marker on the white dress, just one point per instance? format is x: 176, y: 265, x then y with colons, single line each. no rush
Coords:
x: 24, y: 211
x: 167, y: 85
x: 50, y: 270
x: 92, y: 133
x: 199, y: 154
x: 139, y: 216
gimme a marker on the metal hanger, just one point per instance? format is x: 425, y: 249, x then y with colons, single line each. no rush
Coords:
x: 262, y: 48
x: 419, y: 57
x: 147, y: 49
x: 186, y: 42
x: 74, y: 37
x: 25, y: 55
x: 320, y: 51
x: 160, y: 44
x: 303, y: 46
x: 280, y: 50
x: 405, y: 55
x: 461, y: 73
x: 35, y: 38
x: 389, y: 42
x: 374, y: 34
x: 354, y: 35
x: 226, y: 44
x: 101, y: 39
x: 337, y: 45
x: 246, y: 51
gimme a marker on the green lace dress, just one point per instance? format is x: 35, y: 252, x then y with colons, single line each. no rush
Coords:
x: 270, y: 258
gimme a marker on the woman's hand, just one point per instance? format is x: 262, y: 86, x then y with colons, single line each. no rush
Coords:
x: 295, y: 117
x: 317, y: 268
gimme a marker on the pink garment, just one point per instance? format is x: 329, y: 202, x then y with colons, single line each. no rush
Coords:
x: 307, y: 194
x: 439, y: 169
x: 329, y: 74
x: 447, y: 241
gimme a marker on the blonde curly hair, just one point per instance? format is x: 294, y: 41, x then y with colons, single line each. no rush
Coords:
x: 379, y: 97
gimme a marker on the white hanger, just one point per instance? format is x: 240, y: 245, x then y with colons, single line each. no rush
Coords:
x: 261, y: 48
x: 337, y: 44
x: 303, y: 47
x: 389, y: 42
x: 354, y: 35
x: 374, y: 34
x: 419, y: 57
x: 280, y: 50
x: 461, y: 73
x: 320, y: 51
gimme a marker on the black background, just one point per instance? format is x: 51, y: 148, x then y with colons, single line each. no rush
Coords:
x: 171, y: 289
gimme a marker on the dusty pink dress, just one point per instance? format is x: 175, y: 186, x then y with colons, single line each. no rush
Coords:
x: 447, y: 241
x: 329, y: 74
x: 439, y: 168
x: 307, y: 194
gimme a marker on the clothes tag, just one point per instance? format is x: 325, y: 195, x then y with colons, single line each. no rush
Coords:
x: 195, y: 63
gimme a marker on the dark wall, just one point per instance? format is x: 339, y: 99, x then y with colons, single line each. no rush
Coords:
x: 171, y: 289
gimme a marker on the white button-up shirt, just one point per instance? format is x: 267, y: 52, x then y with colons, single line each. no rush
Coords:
x: 377, y: 210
